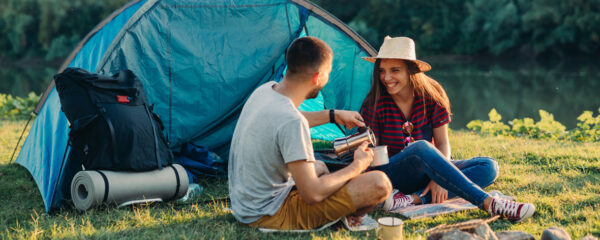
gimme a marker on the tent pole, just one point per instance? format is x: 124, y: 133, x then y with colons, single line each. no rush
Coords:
x: 62, y: 164
x: 18, y: 142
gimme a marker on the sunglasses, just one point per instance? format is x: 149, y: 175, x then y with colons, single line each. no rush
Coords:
x: 407, y: 128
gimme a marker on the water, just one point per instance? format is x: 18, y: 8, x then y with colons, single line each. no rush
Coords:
x: 515, y: 89
x: 519, y: 89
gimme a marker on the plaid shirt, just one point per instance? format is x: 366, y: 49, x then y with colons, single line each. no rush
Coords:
x: 387, y: 121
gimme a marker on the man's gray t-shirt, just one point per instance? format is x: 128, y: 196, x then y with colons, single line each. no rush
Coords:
x: 269, y: 133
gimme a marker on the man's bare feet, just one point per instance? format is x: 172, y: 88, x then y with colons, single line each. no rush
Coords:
x: 353, y: 220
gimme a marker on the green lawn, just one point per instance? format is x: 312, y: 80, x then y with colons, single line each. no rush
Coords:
x: 561, y: 178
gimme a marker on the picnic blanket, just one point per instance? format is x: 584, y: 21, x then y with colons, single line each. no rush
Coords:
x: 449, y: 206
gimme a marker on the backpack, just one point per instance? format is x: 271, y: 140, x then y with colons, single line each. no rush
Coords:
x: 112, y: 125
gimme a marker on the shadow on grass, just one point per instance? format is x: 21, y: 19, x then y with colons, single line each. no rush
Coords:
x: 224, y: 227
x: 19, y: 195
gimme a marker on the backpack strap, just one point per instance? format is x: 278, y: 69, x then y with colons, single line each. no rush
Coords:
x: 111, y: 129
x: 81, y: 123
x: 156, y: 151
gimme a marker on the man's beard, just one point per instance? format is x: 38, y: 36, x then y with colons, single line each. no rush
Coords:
x: 314, y: 93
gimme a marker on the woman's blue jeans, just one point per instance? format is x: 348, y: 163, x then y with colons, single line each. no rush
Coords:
x: 412, y: 169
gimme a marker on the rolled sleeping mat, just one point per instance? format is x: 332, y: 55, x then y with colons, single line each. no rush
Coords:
x: 95, y: 187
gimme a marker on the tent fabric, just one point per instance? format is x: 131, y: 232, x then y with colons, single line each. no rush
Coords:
x: 199, y: 60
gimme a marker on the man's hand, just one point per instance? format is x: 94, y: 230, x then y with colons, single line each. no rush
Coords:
x: 438, y: 193
x: 363, y: 156
x: 349, y: 119
x: 314, y: 188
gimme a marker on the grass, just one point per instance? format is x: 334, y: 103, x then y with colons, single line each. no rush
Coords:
x: 561, y: 178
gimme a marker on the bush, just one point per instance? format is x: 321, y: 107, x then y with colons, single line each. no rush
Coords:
x: 17, y: 107
x: 587, y: 130
x: 492, y: 127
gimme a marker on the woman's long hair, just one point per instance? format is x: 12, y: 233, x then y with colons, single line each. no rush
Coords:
x: 422, y: 85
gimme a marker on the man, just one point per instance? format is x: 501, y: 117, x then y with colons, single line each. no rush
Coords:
x: 274, y: 180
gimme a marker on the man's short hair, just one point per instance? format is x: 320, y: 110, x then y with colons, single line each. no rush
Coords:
x: 306, y: 55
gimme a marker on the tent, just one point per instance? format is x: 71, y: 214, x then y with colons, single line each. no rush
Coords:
x: 198, y: 60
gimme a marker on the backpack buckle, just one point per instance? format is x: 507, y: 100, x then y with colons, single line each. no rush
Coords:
x: 123, y: 99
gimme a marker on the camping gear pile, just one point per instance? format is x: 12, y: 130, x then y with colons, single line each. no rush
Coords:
x: 198, y: 61
x: 199, y: 161
x: 117, y: 140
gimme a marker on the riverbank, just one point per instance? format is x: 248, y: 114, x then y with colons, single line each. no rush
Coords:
x: 561, y: 178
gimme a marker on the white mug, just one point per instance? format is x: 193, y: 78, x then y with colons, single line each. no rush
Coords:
x: 380, y: 156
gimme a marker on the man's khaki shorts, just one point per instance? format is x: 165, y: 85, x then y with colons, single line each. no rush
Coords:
x: 296, y: 214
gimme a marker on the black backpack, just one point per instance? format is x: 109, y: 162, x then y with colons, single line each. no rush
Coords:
x: 112, y: 125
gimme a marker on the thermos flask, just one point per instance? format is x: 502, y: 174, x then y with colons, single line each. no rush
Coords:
x: 346, y: 145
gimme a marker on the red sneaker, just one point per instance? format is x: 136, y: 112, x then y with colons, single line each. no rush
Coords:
x: 397, y: 200
x: 514, y: 211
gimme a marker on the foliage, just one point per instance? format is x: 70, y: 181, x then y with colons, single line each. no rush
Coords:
x: 425, y: 21
x: 322, y: 144
x: 587, y: 130
x: 17, y: 107
x: 547, y: 127
x: 51, y: 28
x: 493, y: 127
x: 48, y: 28
x: 547, y: 27
x: 532, y: 28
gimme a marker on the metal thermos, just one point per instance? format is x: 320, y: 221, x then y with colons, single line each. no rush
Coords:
x: 346, y: 145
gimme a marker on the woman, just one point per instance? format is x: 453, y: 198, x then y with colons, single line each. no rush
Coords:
x: 408, y: 111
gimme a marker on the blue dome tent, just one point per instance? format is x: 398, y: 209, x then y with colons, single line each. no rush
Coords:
x: 198, y: 60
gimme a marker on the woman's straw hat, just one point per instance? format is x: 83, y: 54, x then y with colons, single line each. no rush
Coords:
x: 399, y: 48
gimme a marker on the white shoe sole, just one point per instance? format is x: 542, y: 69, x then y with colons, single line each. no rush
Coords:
x: 528, y: 212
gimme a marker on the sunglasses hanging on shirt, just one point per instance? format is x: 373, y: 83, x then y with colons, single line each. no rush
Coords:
x: 407, y: 128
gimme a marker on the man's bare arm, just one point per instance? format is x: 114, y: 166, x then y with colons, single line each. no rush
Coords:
x: 321, y: 168
x: 349, y: 119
